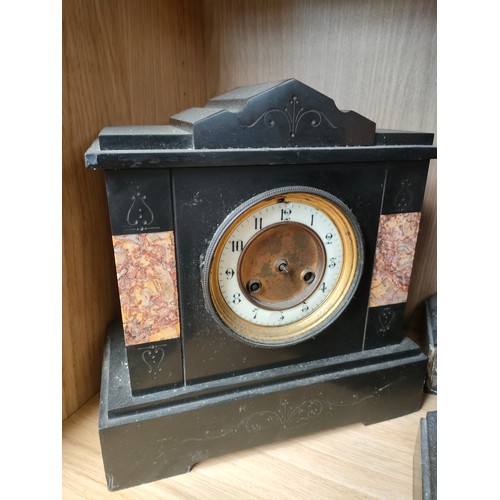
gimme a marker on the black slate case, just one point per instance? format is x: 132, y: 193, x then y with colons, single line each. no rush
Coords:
x: 169, y: 404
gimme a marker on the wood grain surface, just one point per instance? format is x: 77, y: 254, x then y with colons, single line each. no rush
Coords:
x: 138, y: 62
x: 354, y: 461
x: 376, y: 57
x: 124, y: 62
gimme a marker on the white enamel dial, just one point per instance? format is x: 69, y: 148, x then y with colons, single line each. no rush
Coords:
x: 283, y: 266
x: 232, y: 290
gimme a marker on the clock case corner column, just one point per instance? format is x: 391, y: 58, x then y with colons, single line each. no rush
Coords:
x: 144, y: 196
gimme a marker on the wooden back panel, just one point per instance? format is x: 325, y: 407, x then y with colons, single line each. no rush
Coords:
x: 124, y: 62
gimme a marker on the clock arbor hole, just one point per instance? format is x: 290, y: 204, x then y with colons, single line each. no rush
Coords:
x: 282, y: 265
x: 308, y: 277
x: 253, y: 286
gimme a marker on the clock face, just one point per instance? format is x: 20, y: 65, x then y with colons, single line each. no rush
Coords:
x: 283, y: 266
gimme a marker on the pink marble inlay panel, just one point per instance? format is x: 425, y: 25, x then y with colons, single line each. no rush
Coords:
x: 147, y: 281
x: 397, y: 237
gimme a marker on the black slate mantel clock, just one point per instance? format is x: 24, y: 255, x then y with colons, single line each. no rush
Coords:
x: 263, y: 247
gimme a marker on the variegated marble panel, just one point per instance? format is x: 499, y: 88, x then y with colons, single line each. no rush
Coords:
x: 397, y: 237
x: 147, y: 282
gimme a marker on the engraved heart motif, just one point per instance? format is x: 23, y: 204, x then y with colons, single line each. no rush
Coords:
x: 386, y: 317
x: 139, y: 212
x: 153, y: 358
x: 404, y: 196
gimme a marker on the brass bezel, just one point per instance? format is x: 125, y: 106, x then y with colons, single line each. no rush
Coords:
x: 337, y: 299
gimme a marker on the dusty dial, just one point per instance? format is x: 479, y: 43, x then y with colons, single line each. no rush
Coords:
x: 283, y: 266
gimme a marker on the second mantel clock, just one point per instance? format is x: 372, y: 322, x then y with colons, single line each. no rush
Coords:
x: 263, y: 246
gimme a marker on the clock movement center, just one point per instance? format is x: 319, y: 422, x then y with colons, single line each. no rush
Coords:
x: 281, y: 265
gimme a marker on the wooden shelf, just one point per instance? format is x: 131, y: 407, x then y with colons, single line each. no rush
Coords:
x: 354, y: 461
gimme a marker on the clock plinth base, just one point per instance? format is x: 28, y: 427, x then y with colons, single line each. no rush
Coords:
x: 153, y: 436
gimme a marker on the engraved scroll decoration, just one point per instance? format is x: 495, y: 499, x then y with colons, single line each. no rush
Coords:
x: 293, y: 115
x: 287, y: 417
